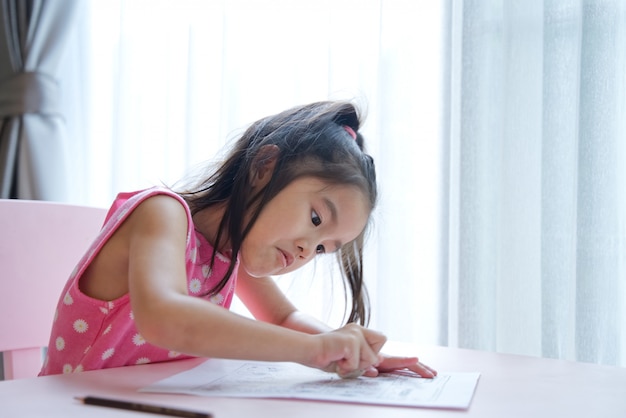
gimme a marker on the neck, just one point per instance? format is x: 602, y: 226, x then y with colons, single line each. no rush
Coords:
x: 207, y: 222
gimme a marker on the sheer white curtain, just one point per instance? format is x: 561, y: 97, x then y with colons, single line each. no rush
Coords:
x: 537, y: 184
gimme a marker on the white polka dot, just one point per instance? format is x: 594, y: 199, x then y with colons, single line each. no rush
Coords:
x: 104, y: 310
x: 195, y: 286
x: 60, y: 343
x: 78, y: 368
x: 108, y: 353
x: 142, y: 360
x: 138, y: 340
x: 206, y: 270
x: 67, y: 299
x: 217, y: 299
x: 223, y: 258
x: 67, y: 368
x: 173, y: 354
x: 81, y: 326
x: 109, y: 328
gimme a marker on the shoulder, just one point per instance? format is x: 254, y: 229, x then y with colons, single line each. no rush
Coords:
x: 163, y: 204
x: 126, y: 203
x: 160, y: 212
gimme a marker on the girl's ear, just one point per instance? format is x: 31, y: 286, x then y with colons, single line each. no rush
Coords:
x: 263, y: 165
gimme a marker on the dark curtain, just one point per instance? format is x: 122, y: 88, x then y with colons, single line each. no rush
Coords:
x: 33, y: 150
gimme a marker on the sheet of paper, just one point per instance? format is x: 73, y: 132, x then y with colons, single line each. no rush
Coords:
x: 247, y: 379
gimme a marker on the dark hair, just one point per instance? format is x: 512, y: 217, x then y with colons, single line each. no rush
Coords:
x: 312, y: 142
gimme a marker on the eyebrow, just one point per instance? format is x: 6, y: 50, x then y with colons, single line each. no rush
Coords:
x: 333, y: 217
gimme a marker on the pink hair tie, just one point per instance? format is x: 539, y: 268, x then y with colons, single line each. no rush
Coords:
x: 350, y: 131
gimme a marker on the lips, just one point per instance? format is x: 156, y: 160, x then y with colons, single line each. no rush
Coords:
x: 287, y: 258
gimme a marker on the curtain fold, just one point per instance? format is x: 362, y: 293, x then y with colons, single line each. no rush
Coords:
x: 539, y: 208
x: 33, y: 142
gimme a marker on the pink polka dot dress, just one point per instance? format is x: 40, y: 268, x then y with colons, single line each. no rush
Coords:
x: 89, y: 334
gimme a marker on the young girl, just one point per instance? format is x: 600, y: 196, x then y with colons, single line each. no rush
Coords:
x: 155, y: 283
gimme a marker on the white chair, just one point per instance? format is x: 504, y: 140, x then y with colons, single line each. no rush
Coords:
x: 40, y: 244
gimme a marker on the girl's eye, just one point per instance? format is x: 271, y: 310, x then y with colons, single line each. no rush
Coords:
x: 320, y: 249
x: 315, y: 218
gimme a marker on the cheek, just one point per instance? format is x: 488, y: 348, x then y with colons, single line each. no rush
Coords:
x: 246, y: 254
x: 248, y: 264
x: 255, y: 259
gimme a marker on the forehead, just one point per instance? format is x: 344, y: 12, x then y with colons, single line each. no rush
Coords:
x: 348, y: 195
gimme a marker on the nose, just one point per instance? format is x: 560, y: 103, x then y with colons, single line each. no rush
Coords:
x: 304, y: 250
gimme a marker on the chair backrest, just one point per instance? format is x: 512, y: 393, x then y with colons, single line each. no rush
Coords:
x: 40, y: 244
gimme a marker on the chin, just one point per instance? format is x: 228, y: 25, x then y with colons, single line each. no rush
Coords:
x: 258, y: 272
x: 255, y: 274
x: 262, y: 269
x: 266, y: 273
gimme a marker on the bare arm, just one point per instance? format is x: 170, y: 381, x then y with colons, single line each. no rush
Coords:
x: 168, y: 317
x: 267, y: 303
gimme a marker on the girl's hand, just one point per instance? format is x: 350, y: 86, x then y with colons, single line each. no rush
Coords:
x: 391, y: 364
x: 349, y: 351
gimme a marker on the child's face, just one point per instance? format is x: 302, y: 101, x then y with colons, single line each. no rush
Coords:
x: 306, y: 218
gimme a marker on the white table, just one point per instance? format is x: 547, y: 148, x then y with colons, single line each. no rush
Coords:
x: 510, y: 386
